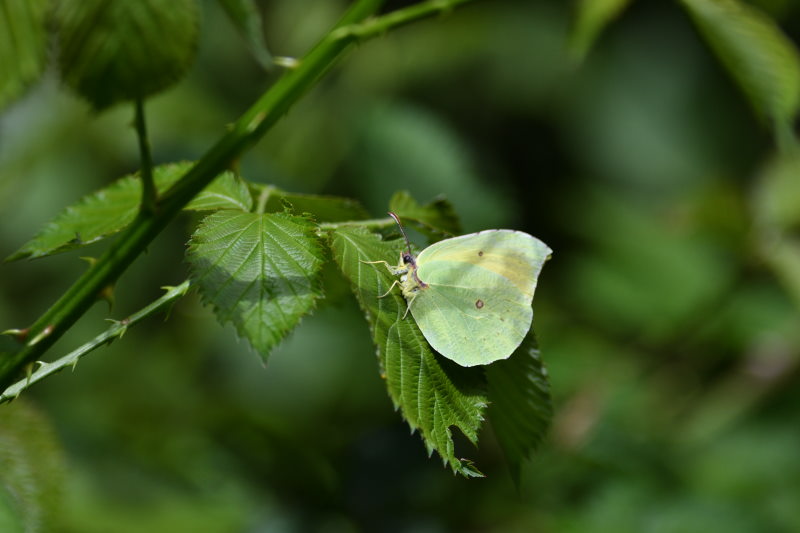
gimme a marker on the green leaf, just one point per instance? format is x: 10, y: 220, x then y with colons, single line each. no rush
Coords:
x: 762, y: 60
x: 245, y: 16
x: 520, y: 407
x: 324, y: 208
x: 110, y: 210
x: 436, y: 219
x: 261, y: 272
x: 110, y: 51
x: 591, y: 17
x: 432, y: 392
x: 23, y: 46
x: 225, y: 192
x: 97, y: 215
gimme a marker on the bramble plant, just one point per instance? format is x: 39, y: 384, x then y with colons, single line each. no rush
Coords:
x: 257, y: 254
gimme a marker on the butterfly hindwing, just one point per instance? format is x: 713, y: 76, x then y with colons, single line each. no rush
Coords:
x: 471, y: 327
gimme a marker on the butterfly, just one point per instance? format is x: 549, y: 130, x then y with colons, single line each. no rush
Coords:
x: 471, y: 295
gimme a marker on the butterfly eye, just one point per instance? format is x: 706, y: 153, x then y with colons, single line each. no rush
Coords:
x: 407, y: 259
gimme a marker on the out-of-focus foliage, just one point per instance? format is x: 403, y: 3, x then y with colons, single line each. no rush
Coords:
x: 23, y: 46
x: 112, y: 50
x: 670, y: 342
x: 31, y: 471
x: 247, y: 18
x: 591, y: 17
x: 759, y: 56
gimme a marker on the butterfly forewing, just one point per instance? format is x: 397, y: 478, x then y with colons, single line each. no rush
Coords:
x: 513, y: 255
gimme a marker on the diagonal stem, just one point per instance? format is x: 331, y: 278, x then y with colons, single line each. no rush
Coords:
x: 115, y: 331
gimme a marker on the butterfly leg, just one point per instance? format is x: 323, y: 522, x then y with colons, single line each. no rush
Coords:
x: 396, y: 282
x: 394, y: 271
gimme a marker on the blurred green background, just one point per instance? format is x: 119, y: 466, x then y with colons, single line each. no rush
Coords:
x: 672, y: 348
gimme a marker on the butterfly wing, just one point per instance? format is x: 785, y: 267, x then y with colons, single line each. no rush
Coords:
x: 476, y: 307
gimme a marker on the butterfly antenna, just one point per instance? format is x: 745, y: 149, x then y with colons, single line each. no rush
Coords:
x: 399, y: 225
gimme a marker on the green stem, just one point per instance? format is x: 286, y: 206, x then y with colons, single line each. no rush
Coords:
x: 372, y: 223
x: 263, y: 198
x: 402, y: 17
x: 146, y: 174
x: 244, y: 133
x: 115, y: 331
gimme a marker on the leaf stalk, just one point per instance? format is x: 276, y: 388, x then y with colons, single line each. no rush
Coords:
x: 149, y: 194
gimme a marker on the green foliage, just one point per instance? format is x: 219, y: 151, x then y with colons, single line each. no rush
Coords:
x: 520, y: 409
x: 758, y: 55
x: 111, y: 51
x: 777, y: 196
x: 404, y: 146
x: 117, y: 330
x: 260, y: 272
x: 110, y: 210
x: 668, y: 320
x: 324, y: 208
x: 432, y: 393
x: 225, y: 192
x: 436, y: 219
x: 776, y: 209
x: 245, y: 16
x: 591, y: 17
x: 23, y: 46
x: 31, y: 471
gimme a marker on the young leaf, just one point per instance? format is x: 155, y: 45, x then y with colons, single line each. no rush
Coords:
x: 436, y: 219
x: 591, y: 17
x: 324, y: 208
x: 23, y: 46
x: 432, y: 392
x: 245, y: 16
x: 225, y: 192
x: 758, y: 55
x: 110, y: 210
x: 97, y: 215
x: 519, y: 402
x: 260, y: 272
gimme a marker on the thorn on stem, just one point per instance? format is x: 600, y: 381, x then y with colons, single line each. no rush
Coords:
x: 286, y: 62
x: 20, y: 335
x: 44, y: 333
x: 107, y: 294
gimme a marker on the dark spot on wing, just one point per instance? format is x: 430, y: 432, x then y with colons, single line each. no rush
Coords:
x: 480, y: 253
x: 479, y: 304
